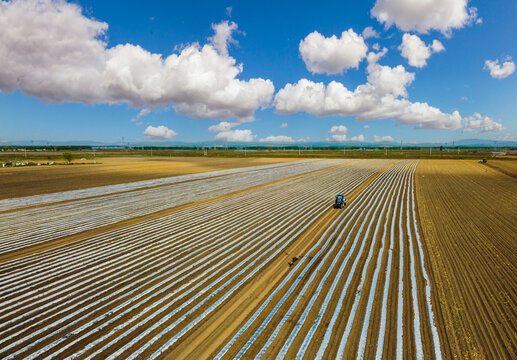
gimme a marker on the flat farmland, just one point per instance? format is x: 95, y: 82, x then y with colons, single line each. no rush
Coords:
x: 33, y: 180
x: 254, y: 262
x: 508, y: 167
x: 468, y: 215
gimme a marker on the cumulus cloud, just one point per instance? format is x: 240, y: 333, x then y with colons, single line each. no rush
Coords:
x: 235, y: 136
x: 422, y: 16
x: 383, y: 96
x: 386, y: 138
x: 416, y: 51
x: 437, y: 46
x: 369, y: 32
x: 223, y: 36
x: 366, y: 126
x: 50, y: 50
x: 283, y: 126
x: 357, y: 138
x: 498, y: 71
x: 338, y: 130
x: 338, y: 133
x: 278, y: 139
x: 388, y: 80
x: 480, y: 124
x: 159, y: 133
x: 332, y: 55
x: 364, y: 102
x: 222, y: 126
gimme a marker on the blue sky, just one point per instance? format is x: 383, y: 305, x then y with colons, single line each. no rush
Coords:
x: 269, y: 34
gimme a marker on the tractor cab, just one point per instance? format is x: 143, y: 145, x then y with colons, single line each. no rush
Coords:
x: 340, y: 201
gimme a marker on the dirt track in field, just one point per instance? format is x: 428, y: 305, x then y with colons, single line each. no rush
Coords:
x: 34, y: 180
x: 468, y: 216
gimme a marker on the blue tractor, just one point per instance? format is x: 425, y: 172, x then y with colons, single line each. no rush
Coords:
x: 340, y: 201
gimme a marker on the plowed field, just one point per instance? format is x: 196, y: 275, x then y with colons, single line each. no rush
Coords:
x: 256, y: 263
x: 469, y: 220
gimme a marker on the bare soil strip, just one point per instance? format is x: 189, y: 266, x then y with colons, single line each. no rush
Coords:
x: 468, y: 217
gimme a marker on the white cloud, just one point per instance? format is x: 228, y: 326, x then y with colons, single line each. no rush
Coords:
x: 338, y: 133
x: 437, y: 46
x: 141, y: 113
x: 337, y: 138
x: 509, y: 136
x: 388, y: 80
x: 159, y: 133
x: 235, y: 136
x: 386, y: 138
x: 278, y: 139
x: 332, y: 55
x: 229, y: 11
x: 481, y: 124
x: 223, y: 36
x: 363, y: 102
x: 422, y: 16
x: 416, y: 51
x: 357, y: 138
x: 283, y: 126
x: 222, y: 126
x: 50, y: 50
x: 379, y: 98
x: 376, y: 47
x: 366, y: 126
x: 338, y: 130
x: 500, y: 72
x: 369, y: 32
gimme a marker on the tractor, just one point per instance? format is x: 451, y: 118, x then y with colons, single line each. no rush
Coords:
x: 340, y: 201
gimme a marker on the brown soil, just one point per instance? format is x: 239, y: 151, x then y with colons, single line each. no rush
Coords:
x: 34, y: 180
x: 468, y: 217
x: 508, y: 167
